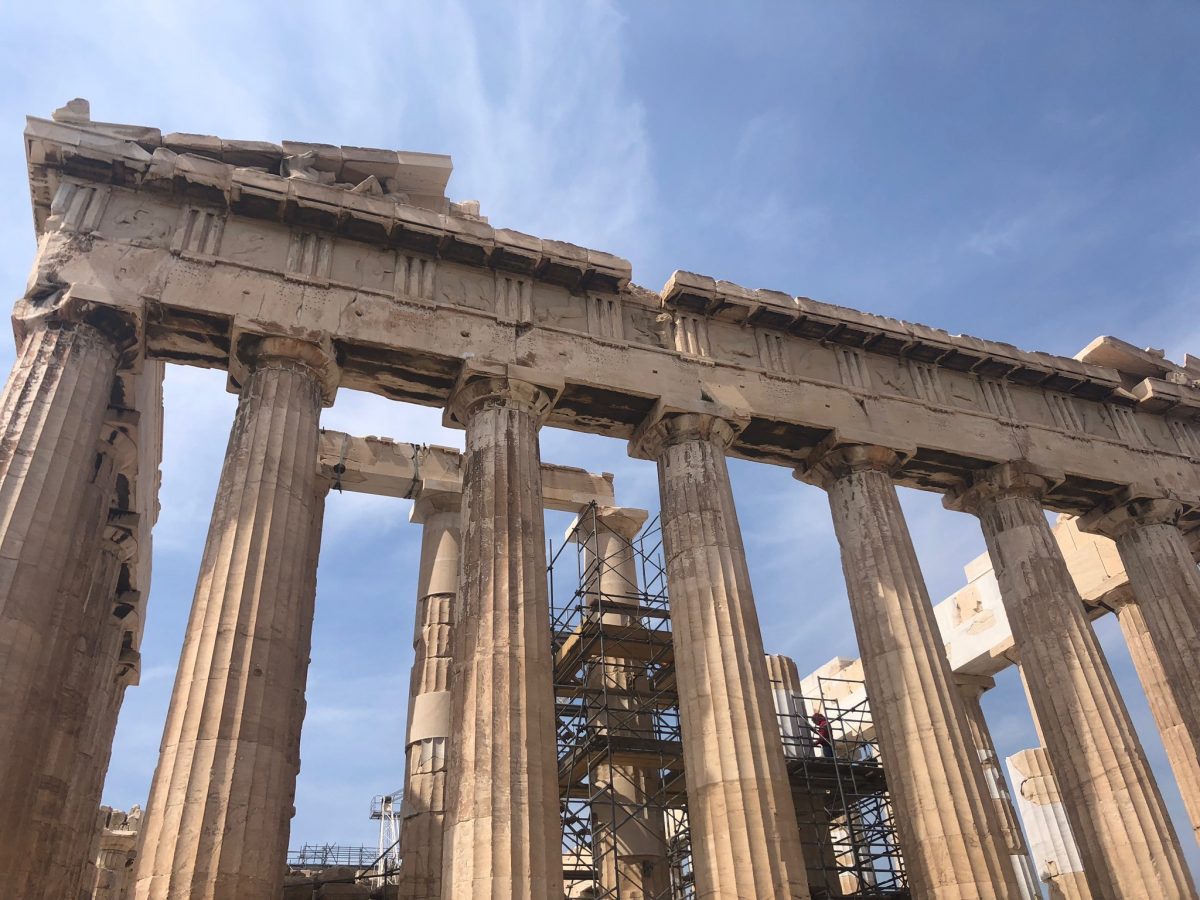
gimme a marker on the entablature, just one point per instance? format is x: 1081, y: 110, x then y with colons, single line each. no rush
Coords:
x: 56, y: 150
x: 203, y: 248
x: 831, y: 324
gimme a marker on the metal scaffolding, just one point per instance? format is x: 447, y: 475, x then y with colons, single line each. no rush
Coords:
x: 620, y: 763
x: 840, y: 791
x: 620, y: 749
x: 386, y: 810
x: 318, y: 856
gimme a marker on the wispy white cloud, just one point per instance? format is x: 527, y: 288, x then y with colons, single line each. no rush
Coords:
x: 1034, y: 220
x: 752, y: 202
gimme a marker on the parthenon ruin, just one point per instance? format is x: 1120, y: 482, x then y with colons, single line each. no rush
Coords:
x: 632, y: 739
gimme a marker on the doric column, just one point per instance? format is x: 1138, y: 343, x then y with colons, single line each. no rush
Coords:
x: 610, y: 563
x: 952, y: 842
x: 971, y: 688
x: 106, y: 656
x: 743, y: 825
x: 217, y: 821
x: 83, y: 741
x: 1052, y: 843
x: 1177, y: 739
x: 69, y: 773
x: 51, y: 414
x: 503, y: 834
x: 424, y: 809
x: 811, y: 802
x: 1116, y: 812
x: 120, y: 584
x: 629, y: 835
x: 76, y: 688
x: 1166, y: 585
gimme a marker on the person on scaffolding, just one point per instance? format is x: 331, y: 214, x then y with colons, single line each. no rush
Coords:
x: 824, y: 731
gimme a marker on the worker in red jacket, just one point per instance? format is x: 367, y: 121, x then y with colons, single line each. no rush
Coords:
x: 824, y: 730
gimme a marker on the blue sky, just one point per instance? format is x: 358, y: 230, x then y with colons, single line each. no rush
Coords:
x: 1025, y: 171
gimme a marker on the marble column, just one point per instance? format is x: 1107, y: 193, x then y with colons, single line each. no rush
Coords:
x: 743, y: 825
x: 811, y: 802
x: 68, y: 698
x: 972, y: 688
x: 610, y: 563
x: 1178, y: 740
x: 503, y: 835
x: 952, y: 842
x: 71, y: 770
x: 424, y: 808
x: 1166, y: 585
x: 629, y: 832
x: 1120, y: 823
x: 217, y: 821
x: 51, y: 413
x: 107, y: 655
x: 1053, y: 845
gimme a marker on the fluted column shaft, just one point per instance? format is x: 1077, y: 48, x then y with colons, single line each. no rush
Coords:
x: 971, y: 689
x: 1162, y: 695
x: 503, y: 834
x: 949, y: 833
x: 424, y: 809
x: 94, y: 750
x: 70, y: 770
x: 1166, y: 585
x: 743, y: 825
x: 217, y: 821
x: 75, y: 759
x: 71, y: 694
x: 51, y: 413
x: 1125, y: 838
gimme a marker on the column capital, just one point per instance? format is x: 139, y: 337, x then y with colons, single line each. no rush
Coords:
x: 623, y: 521
x: 832, y: 460
x: 973, y: 685
x: 665, y: 428
x: 323, y: 485
x: 429, y: 503
x: 1130, y: 508
x: 52, y: 304
x: 250, y: 350
x: 500, y: 385
x: 1119, y: 598
x: 1017, y: 478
